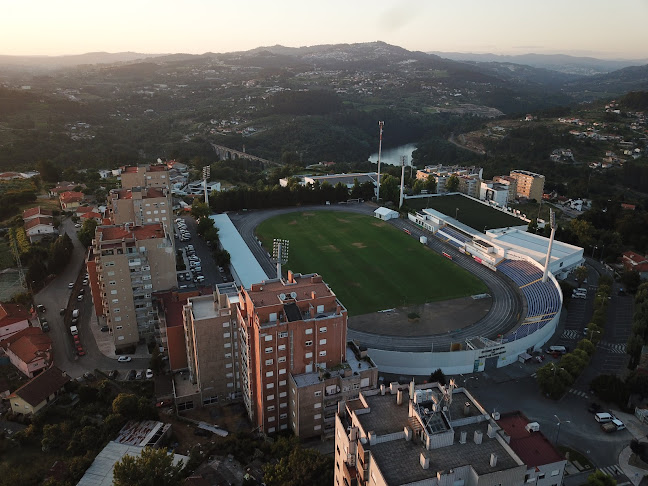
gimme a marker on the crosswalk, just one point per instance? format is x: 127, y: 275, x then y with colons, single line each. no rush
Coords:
x: 572, y: 334
x: 613, y: 348
x: 614, y: 470
x: 578, y: 393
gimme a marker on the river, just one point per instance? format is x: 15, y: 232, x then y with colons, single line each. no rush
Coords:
x: 392, y: 156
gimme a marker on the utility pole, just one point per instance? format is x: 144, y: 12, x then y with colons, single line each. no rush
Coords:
x: 380, y: 126
x: 403, y: 162
x: 206, y: 172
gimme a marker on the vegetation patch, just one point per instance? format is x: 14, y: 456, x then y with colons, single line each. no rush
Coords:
x: 387, y: 267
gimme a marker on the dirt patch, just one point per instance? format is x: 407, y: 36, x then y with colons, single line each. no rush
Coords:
x: 294, y: 221
x: 306, y: 215
x: 342, y: 220
x: 359, y: 245
x: 329, y: 248
x: 379, y: 224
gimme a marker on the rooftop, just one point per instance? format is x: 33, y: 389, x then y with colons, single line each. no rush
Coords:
x: 296, y: 288
x: 532, y: 447
x: 42, y: 386
x: 146, y: 432
x: 144, y: 232
x: 28, y: 344
x: 147, y: 192
x: 172, y: 303
x: 38, y: 221
x: 28, y: 213
x: 10, y: 313
x: 386, y: 416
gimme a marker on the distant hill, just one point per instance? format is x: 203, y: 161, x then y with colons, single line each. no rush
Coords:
x: 584, y: 66
x: 616, y: 83
x: 58, y: 62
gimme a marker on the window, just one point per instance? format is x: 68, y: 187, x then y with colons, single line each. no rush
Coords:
x: 282, y: 371
x: 271, y: 408
x: 116, y: 309
x: 228, y: 355
x: 117, y: 319
x: 270, y: 385
x: 271, y: 419
x: 228, y: 345
x: 318, y: 393
x: 111, y: 273
x: 281, y: 347
x: 119, y: 328
x: 283, y: 334
x: 309, y: 343
x: 282, y: 395
x: 322, y: 329
x: 226, y: 324
x: 309, y: 355
x: 318, y: 405
x: 322, y: 342
x: 268, y: 337
x: 282, y: 383
x: 228, y: 365
x: 112, y: 282
x: 113, y: 292
x: 268, y: 350
x: 283, y: 416
x: 317, y: 427
x: 309, y: 331
x: 269, y: 361
x: 317, y: 416
x: 226, y: 334
x: 555, y: 472
x: 322, y: 353
x: 269, y: 374
x: 281, y: 359
x: 283, y: 405
x: 270, y: 397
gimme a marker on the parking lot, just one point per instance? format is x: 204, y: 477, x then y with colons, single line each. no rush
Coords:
x: 195, y: 253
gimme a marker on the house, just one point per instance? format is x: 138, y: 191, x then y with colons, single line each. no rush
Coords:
x: 70, y: 200
x: 84, y: 209
x: 92, y: 215
x: 37, y: 212
x: 628, y: 207
x: 38, y: 392
x: 38, y: 228
x: 29, y: 350
x: 13, y: 318
x: 634, y: 262
x: 64, y: 186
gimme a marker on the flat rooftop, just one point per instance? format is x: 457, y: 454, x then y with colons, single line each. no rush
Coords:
x: 532, y: 447
x: 399, y: 460
x: 204, y: 307
x: 386, y: 416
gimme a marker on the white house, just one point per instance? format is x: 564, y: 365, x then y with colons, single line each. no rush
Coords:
x: 38, y: 228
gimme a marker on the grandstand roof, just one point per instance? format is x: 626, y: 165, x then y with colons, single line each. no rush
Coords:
x: 535, y: 246
x: 245, y: 265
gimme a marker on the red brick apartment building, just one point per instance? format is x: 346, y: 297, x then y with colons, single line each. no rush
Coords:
x: 294, y: 360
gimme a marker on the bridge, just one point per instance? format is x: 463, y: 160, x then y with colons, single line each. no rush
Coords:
x: 226, y: 153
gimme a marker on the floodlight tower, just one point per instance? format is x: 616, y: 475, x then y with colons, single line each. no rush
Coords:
x: 380, y: 126
x: 552, y: 222
x: 403, y: 164
x: 206, y: 172
x: 280, y: 253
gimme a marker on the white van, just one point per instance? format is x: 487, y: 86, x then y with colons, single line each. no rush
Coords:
x: 557, y: 349
x: 619, y: 425
x: 603, y: 417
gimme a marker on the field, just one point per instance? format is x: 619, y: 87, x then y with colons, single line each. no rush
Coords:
x: 471, y: 213
x: 369, y: 264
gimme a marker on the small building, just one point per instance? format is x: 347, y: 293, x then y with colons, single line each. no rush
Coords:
x: 70, y: 200
x: 38, y: 392
x: 38, y: 228
x: 495, y: 192
x: 385, y: 213
x: 13, y: 318
x: 634, y: 262
x: 29, y: 350
x: 36, y: 212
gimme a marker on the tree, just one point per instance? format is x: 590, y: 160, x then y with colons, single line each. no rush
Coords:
x: 87, y: 232
x: 553, y: 380
x: 583, y: 230
x: 389, y: 189
x: 634, y: 347
x: 599, y: 478
x: 452, y: 184
x: 430, y: 184
x: 631, y: 280
x: 438, y: 376
x: 199, y: 209
x: 301, y: 466
x: 152, y: 467
x: 126, y: 404
x: 156, y: 363
x: 580, y: 273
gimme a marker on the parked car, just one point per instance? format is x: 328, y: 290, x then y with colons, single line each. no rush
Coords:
x: 139, y: 375
x: 104, y: 329
x: 45, y: 326
x: 40, y: 307
x: 79, y: 297
x: 131, y: 374
x: 80, y: 351
x: 61, y: 312
x: 75, y: 313
x: 149, y: 374
x: 113, y: 374
x: 71, y: 285
x: 124, y: 359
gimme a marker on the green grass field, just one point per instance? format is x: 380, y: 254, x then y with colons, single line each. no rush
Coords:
x: 471, y: 213
x: 369, y: 264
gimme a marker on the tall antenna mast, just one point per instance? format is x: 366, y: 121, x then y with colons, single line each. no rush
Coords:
x: 403, y: 163
x: 206, y: 172
x: 280, y: 253
x: 380, y: 125
x: 552, y: 219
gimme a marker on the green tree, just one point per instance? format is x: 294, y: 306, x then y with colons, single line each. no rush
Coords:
x: 430, y: 184
x: 580, y: 273
x: 634, y: 347
x: 438, y: 376
x: 204, y: 225
x: 599, y: 478
x: 156, y: 363
x: 390, y: 189
x: 87, y: 232
x: 199, y: 209
x: 587, y: 346
x: 452, y: 184
x: 583, y: 230
x: 154, y: 467
x: 553, y: 380
x: 300, y: 467
x: 126, y: 404
x: 631, y: 280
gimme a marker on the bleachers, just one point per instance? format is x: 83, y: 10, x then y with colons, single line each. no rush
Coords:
x: 543, y: 299
x: 450, y: 232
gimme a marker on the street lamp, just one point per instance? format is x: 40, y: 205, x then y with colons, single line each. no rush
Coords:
x: 556, y: 368
x: 558, y: 424
x: 456, y: 212
x: 591, y: 333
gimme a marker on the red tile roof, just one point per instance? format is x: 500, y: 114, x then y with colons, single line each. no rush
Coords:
x: 42, y: 386
x: 71, y: 196
x: 91, y: 215
x: 145, y: 232
x: 36, y: 221
x: 532, y: 447
x: 10, y: 313
x: 84, y: 209
x: 28, y: 213
x: 29, y: 344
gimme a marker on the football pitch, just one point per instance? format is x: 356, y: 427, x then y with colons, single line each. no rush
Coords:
x: 472, y: 213
x: 368, y: 264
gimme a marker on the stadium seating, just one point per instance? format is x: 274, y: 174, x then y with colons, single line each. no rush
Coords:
x: 449, y: 232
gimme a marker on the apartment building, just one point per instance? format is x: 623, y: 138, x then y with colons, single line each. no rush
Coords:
x: 212, y: 349
x: 469, y: 177
x: 494, y: 191
x: 510, y: 182
x: 529, y: 184
x: 125, y: 265
x: 431, y: 434
x: 145, y: 176
x: 288, y: 328
x: 140, y: 205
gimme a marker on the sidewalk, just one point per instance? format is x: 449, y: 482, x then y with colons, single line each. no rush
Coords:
x: 105, y: 342
x: 638, y: 431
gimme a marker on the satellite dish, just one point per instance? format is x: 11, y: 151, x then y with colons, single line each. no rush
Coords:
x: 293, y: 295
x: 282, y: 296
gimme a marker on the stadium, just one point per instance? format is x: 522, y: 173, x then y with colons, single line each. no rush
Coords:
x: 423, y: 293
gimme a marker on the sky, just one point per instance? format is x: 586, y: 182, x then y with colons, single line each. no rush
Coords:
x: 598, y: 28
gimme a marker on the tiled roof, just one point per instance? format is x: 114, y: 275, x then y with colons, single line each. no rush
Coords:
x: 91, y: 215
x: 84, y: 209
x: 71, y: 196
x: 29, y: 344
x: 532, y: 447
x: 145, y: 232
x: 42, y: 386
x: 10, y: 313
x: 36, y: 221
x: 28, y: 213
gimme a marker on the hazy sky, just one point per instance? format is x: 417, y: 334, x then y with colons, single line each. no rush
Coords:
x: 601, y: 28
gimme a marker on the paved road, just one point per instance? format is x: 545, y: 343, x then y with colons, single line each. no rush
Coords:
x: 55, y: 296
x: 507, y: 300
